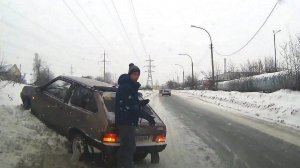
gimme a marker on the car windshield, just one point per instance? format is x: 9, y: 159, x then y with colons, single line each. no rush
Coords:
x: 220, y: 81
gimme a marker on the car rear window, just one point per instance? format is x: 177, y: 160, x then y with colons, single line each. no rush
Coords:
x: 109, y: 100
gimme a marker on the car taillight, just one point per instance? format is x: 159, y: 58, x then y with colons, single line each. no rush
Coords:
x: 161, y: 138
x: 110, y: 137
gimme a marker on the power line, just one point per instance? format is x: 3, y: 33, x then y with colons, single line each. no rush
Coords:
x: 36, y: 24
x: 138, y: 26
x: 91, y: 21
x: 255, y: 34
x: 124, y: 29
x: 34, y: 37
x: 82, y: 24
x: 95, y: 27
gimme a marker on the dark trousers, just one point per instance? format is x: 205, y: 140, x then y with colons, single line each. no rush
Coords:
x: 127, y: 147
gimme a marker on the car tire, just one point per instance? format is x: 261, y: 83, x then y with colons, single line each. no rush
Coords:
x: 154, y: 157
x: 79, y: 147
x: 26, y: 103
x: 140, y: 156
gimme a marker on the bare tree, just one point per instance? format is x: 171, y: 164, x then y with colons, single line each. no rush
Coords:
x: 108, y: 78
x: 172, y: 84
x: 269, y: 65
x: 291, y: 53
x: 188, y: 82
x: 41, y: 73
x: 251, y: 68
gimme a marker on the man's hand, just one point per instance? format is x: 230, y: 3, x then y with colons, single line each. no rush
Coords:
x: 144, y: 102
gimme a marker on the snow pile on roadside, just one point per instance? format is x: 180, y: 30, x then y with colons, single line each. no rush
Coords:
x: 25, y: 142
x: 10, y: 93
x: 281, y: 107
x: 146, y: 93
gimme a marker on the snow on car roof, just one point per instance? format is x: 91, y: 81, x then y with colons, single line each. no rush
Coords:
x: 88, y: 82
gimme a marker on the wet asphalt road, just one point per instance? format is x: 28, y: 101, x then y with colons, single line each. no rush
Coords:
x: 236, y: 145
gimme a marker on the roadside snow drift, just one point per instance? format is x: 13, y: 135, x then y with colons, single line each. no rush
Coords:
x: 25, y: 142
x: 281, y: 107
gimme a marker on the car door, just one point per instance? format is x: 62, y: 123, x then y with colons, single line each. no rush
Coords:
x: 81, y: 110
x: 51, y: 102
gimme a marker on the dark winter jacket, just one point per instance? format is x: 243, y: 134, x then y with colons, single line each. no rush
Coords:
x: 128, y: 106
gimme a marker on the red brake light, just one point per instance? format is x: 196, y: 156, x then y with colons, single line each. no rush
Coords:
x: 160, y: 138
x: 110, y: 137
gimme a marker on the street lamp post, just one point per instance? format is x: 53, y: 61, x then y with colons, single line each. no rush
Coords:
x: 211, y: 53
x: 182, y: 73
x: 193, y: 80
x: 274, y: 34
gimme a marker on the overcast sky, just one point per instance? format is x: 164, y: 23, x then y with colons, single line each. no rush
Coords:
x: 49, y: 28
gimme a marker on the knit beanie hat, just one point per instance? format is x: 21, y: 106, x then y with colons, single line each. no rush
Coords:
x: 133, y: 68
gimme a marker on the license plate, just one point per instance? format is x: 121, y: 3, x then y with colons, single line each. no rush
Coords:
x: 142, y: 138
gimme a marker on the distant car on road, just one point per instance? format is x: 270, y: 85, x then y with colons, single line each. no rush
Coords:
x: 83, y: 110
x: 166, y: 92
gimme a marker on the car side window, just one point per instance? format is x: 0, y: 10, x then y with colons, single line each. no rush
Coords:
x: 59, y: 89
x: 83, y: 98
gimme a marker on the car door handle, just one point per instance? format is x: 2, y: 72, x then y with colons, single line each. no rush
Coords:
x: 68, y: 112
x: 57, y: 106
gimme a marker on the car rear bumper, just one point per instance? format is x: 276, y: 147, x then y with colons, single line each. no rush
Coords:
x: 113, y: 147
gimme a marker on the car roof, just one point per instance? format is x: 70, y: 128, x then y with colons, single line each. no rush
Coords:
x: 91, y: 83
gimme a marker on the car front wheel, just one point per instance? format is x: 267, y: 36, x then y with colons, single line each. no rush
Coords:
x: 26, y: 103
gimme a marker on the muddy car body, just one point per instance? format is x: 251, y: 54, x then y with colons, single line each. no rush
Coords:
x: 83, y: 110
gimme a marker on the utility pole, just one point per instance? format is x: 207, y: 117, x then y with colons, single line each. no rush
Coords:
x: 182, y: 73
x: 71, y: 70
x: 192, y: 62
x: 225, y: 65
x: 211, y: 55
x: 274, y: 34
x: 104, y: 63
x: 150, y: 66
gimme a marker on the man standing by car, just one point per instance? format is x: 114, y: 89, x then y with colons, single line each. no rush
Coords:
x: 128, y: 112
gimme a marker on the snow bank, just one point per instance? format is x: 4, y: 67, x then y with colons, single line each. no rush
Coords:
x: 25, y: 142
x: 281, y: 107
x: 268, y: 82
x: 146, y: 93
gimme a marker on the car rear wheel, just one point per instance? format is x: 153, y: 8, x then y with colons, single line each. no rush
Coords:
x: 79, y: 147
x: 140, y: 156
x: 155, y: 157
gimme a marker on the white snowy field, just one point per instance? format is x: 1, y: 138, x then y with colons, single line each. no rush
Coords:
x: 279, y: 107
x: 25, y: 142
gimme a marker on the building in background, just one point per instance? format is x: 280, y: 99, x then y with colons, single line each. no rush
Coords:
x: 10, y: 72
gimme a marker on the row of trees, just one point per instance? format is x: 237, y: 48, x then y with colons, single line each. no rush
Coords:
x: 188, y: 83
x: 108, y: 78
